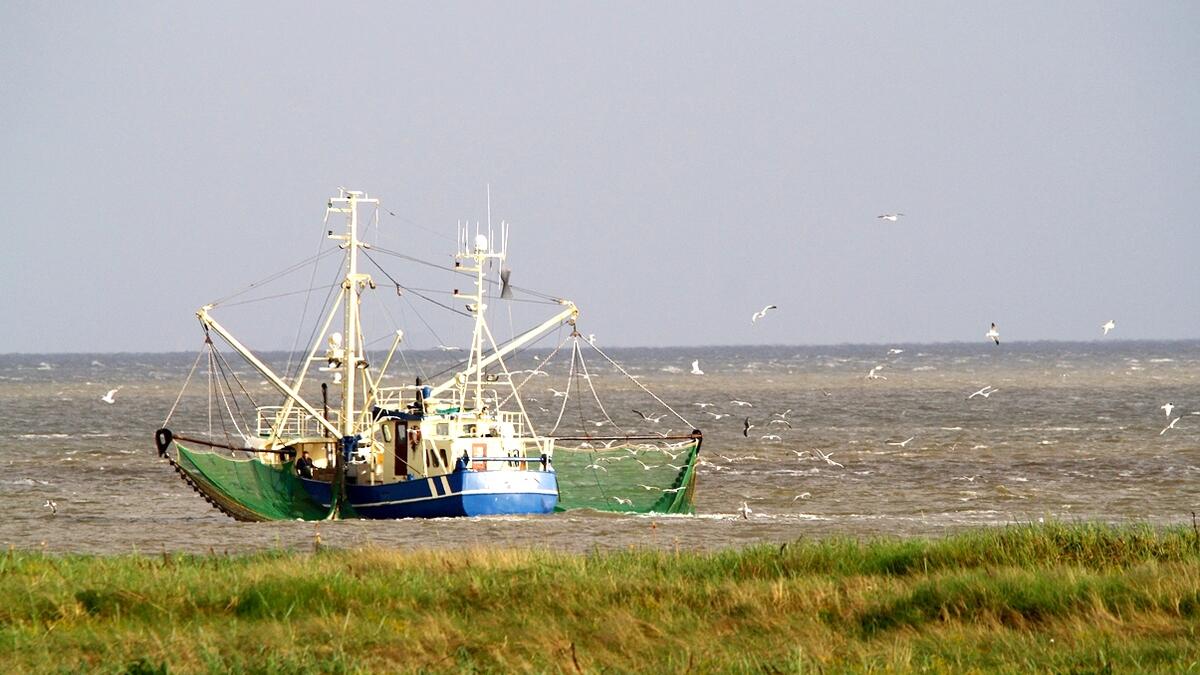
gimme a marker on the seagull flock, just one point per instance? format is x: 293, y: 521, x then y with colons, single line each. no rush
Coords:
x: 875, y: 374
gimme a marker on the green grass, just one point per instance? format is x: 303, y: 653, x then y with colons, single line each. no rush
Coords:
x: 1054, y: 598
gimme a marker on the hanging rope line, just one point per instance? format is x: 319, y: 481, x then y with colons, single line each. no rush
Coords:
x: 409, y: 221
x: 236, y: 379
x: 642, y: 386
x: 588, y: 378
x: 178, y: 398
x: 221, y: 365
x: 415, y: 292
x: 535, y: 371
x: 548, y: 298
x: 508, y: 378
x: 286, y: 294
x: 566, y: 395
x: 304, y: 313
x: 522, y: 350
x: 420, y: 368
x: 212, y: 376
x: 273, y: 277
x: 579, y: 400
x: 312, y: 335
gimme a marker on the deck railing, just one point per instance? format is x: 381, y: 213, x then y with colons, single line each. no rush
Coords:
x: 296, y: 424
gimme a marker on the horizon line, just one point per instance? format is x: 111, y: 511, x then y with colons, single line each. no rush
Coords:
x: 1127, y: 341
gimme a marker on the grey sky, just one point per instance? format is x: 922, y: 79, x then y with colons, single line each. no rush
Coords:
x: 671, y: 167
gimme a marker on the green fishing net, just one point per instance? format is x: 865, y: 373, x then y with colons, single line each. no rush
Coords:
x: 249, y: 488
x: 636, y: 478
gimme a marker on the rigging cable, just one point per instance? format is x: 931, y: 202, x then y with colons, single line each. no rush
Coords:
x: 312, y: 335
x: 222, y: 364
x: 566, y: 395
x: 508, y: 377
x: 550, y: 299
x: 287, y: 370
x: 273, y: 277
x: 411, y: 290
x: 587, y: 377
x: 642, y: 386
x: 534, y: 372
x: 285, y: 294
x: 185, y: 385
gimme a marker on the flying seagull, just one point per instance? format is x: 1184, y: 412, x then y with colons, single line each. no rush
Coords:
x: 1170, y: 426
x: 746, y: 427
x: 826, y: 456
x: 873, y: 376
x: 1108, y: 325
x: 696, y: 367
x: 648, y: 418
x: 745, y: 511
x: 108, y: 398
x: 50, y: 504
x: 1168, y: 407
x: 993, y: 334
x: 893, y: 217
x: 985, y: 392
x: 761, y: 313
x: 903, y: 443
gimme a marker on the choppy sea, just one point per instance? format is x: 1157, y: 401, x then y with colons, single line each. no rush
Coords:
x: 1073, y: 431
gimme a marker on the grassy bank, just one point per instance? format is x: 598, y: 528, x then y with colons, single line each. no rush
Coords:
x: 1078, y: 598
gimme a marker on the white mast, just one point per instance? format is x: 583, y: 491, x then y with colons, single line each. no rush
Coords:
x: 347, y: 202
x: 479, y: 252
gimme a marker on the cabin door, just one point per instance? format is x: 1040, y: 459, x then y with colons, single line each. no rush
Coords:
x: 400, y: 461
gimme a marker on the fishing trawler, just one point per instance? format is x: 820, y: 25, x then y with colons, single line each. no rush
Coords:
x: 465, y: 446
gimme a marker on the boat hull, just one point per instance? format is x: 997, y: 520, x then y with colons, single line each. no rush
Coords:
x: 460, y: 493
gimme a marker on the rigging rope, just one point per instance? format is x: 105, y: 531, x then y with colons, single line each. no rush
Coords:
x: 220, y: 418
x: 550, y: 299
x: 642, y: 386
x: 566, y: 395
x: 535, y: 371
x: 185, y: 385
x: 287, y: 369
x: 508, y: 377
x: 220, y: 361
x: 411, y: 290
x: 588, y: 378
x: 316, y: 326
x: 273, y: 277
x: 285, y: 294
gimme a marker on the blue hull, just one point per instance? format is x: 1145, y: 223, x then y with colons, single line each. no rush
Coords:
x: 461, y: 493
